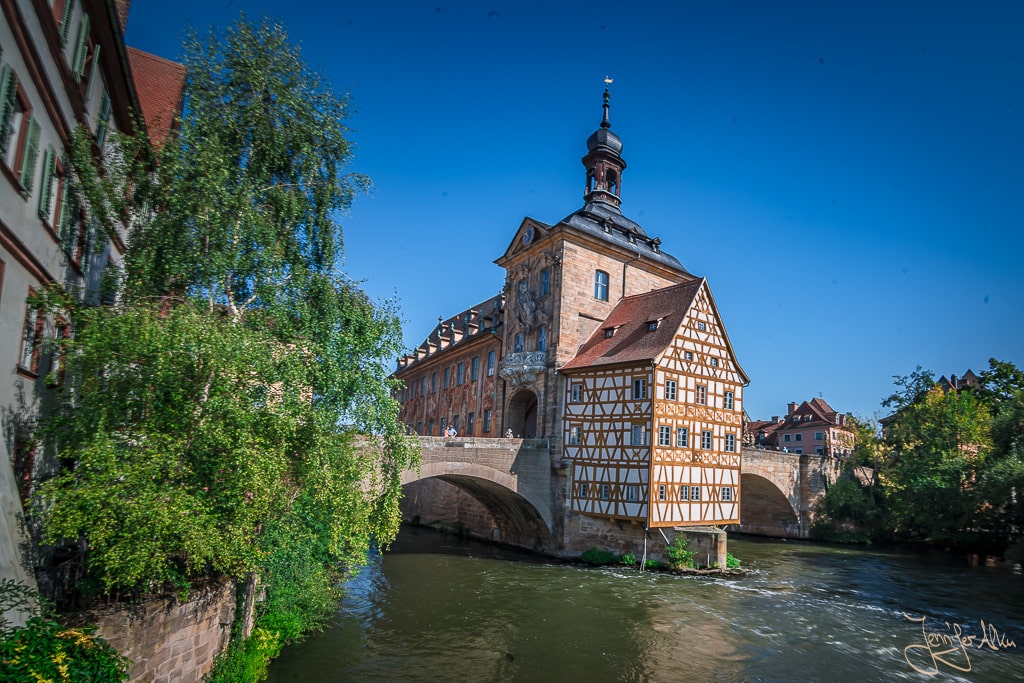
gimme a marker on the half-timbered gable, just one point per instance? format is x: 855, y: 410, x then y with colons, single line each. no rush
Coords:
x: 653, y: 413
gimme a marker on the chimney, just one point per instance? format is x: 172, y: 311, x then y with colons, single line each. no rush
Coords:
x: 792, y: 408
x: 776, y: 419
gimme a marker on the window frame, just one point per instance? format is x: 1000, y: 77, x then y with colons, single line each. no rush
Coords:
x: 706, y: 440
x: 575, y: 392
x: 700, y: 394
x: 730, y: 443
x: 486, y: 427
x: 729, y: 400
x: 601, y: 281
x: 664, y: 435
x: 671, y: 389
x: 639, y: 392
x: 682, y: 437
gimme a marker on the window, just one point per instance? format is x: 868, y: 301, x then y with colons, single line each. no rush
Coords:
x: 700, y: 326
x: 423, y: 385
x: 670, y: 390
x: 444, y: 425
x: 632, y: 493
x: 85, y: 54
x: 640, y: 388
x: 517, y: 345
x: 727, y: 402
x: 662, y: 492
x: 487, y: 422
x: 694, y: 493
x: 609, y: 332
x: 460, y: 373
x: 819, y: 436
x: 574, y: 435
x: 684, y: 492
x: 474, y: 369
x: 786, y: 437
x: 31, y: 338
x: 583, y: 490
x: 702, y: 395
x: 819, y: 450
x: 455, y: 422
x: 433, y: 383
x: 705, y: 439
x: 430, y: 427
x: 683, y: 437
x: 419, y: 427
x: 652, y: 325
x: 689, y: 355
x: 727, y: 493
x: 23, y: 462
x: 637, y: 436
x: 447, y: 377
x: 470, y: 424
x: 798, y: 451
x: 490, y: 363
x: 601, y: 285
x: 798, y: 436
x: 545, y: 281
x: 714, y: 362
x: 542, y: 338
x: 19, y: 132
x: 576, y: 392
x: 730, y: 443
x: 664, y: 435
x: 606, y: 491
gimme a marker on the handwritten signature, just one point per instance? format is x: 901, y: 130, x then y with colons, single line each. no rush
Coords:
x: 950, y: 647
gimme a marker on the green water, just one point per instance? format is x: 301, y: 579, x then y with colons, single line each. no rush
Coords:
x: 437, y: 609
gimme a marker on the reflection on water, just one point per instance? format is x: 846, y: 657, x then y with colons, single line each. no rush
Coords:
x: 435, y: 609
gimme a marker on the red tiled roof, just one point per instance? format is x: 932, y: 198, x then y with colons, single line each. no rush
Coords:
x: 632, y: 342
x: 161, y: 87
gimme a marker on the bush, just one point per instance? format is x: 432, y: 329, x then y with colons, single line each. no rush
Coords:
x: 45, y: 650
x: 679, y: 554
x: 247, y: 661
x: 731, y: 562
x: 629, y: 559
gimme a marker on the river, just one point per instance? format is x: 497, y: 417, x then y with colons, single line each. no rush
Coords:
x: 434, y: 608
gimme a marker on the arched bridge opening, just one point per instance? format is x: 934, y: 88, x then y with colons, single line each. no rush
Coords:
x: 765, y: 510
x: 480, y: 501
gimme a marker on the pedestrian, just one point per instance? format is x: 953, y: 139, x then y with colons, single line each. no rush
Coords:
x: 451, y: 431
x: 508, y: 433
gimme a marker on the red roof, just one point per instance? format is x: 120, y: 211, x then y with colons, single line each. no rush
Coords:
x: 632, y: 341
x: 161, y: 87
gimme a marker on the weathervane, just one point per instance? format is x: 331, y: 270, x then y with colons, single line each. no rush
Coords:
x: 608, y: 80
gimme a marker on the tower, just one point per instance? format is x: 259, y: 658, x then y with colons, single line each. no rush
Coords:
x: 604, y: 163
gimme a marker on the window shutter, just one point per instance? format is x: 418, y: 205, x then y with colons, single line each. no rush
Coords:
x: 28, y: 163
x: 78, y: 65
x: 46, y: 188
x: 8, y: 96
x: 95, y: 69
x: 103, y: 120
x: 68, y: 208
x: 65, y: 21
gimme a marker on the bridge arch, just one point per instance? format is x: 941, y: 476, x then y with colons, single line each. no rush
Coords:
x: 521, y: 414
x: 515, y: 518
x: 765, y: 510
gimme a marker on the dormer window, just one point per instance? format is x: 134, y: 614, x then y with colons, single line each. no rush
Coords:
x: 609, y: 332
x: 652, y: 325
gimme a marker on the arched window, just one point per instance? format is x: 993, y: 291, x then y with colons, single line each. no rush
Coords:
x: 517, y: 345
x: 601, y: 285
x: 611, y: 182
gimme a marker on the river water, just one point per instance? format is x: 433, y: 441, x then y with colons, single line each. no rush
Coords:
x: 438, y: 609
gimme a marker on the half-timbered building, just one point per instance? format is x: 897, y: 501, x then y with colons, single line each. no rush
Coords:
x: 653, y: 417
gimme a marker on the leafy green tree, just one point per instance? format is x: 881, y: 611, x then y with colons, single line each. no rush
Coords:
x: 211, y: 418
x: 939, y: 443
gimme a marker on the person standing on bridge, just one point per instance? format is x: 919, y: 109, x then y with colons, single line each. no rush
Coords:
x: 451, y: 431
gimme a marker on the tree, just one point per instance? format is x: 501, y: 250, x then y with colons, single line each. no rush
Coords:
x: 210, y: 418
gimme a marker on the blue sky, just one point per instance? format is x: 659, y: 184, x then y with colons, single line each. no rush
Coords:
x: 859, y: 161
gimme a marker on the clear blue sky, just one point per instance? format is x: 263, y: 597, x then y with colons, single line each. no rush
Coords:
x: 861, y: 162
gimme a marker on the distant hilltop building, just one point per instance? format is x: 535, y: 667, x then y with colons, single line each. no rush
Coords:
x: 812, y: 427
x: 606, y: 346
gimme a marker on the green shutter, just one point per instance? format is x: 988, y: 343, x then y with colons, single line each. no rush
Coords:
x: 78, y: 65
x: 95, y: 69
x: 46, y: 188
x: 8, y: 97
x: 103, y: 120
x: 67, y: 212
x: 28, y: 162
x: 65, y: 21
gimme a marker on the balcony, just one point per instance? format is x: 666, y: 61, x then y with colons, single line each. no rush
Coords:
x: 522, y: 368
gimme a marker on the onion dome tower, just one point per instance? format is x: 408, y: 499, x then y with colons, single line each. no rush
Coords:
x: 604, y: 163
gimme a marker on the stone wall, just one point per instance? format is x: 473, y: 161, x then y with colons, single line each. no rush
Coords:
x: 168, y: 641
x: 619, y: 536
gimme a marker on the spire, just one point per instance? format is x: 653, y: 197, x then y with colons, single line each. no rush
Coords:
x: 603, y: 161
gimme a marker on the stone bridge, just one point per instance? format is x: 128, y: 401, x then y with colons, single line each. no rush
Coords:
x: 513, y: 491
